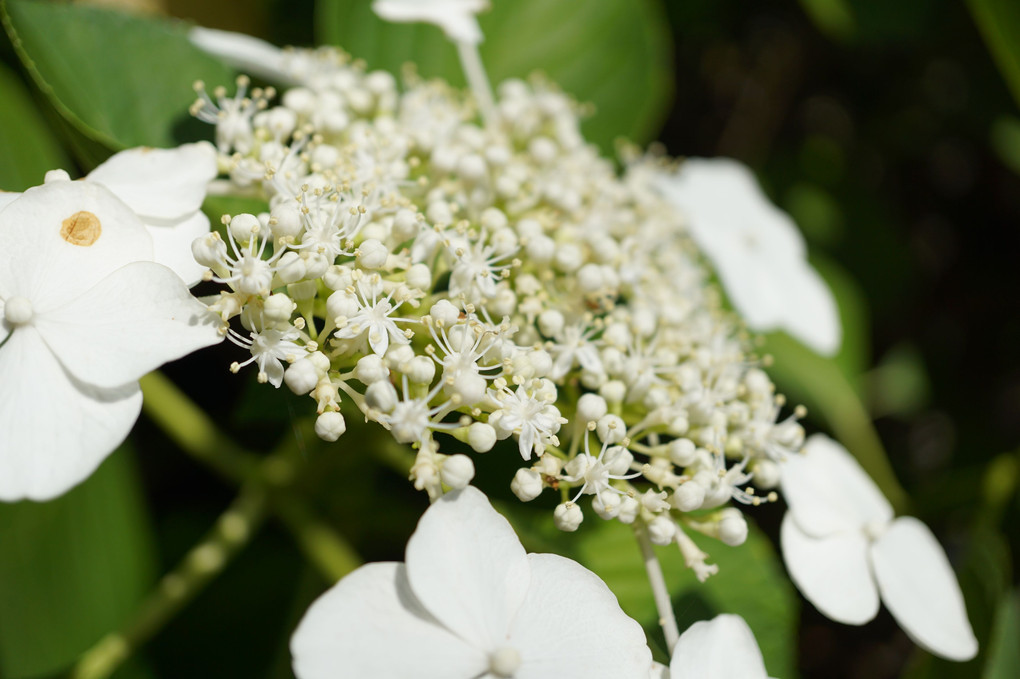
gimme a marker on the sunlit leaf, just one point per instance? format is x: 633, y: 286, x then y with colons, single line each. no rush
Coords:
x: 27, y: 146
x: 122, y: 80
x: 615, y: 54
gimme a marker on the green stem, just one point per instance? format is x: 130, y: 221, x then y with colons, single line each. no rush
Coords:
x: 202, y: 563
x: 194, y: 431
x: 322, y: 546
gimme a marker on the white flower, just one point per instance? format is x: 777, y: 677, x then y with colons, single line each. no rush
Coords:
x: 85, y: 313
x: 468, y: 603
x: 843, y: 548
x: 757, y: 251
x: 722, y: 648
x: 455, y: 17
x: 165, y: 188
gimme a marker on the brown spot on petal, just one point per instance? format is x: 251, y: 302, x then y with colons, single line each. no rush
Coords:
x: 81, y: 228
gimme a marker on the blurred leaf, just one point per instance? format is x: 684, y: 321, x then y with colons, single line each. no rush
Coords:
x: 1005, y: 141
x: 899, y: 384
x: 122, y: 80
x: 999, y: 21
x: 615, y: 54
x: 1003, y: 652
x: 28, y: 148
x: 832, y: 17
x: 71, y: 570
x: 750, y: 582
x: 816, y: 213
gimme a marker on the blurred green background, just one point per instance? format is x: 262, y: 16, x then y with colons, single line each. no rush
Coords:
x: 889, y: 130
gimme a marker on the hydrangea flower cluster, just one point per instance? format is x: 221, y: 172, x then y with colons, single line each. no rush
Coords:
x: 484, y: 282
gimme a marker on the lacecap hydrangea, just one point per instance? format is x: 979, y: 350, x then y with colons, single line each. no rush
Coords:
x: 484, y: 278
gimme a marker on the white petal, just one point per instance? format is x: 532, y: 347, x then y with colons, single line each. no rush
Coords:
x: 133, y: 321
x: 810, y: 313
x: 159, y: 184
x: 172, y: 246
x: 722, y: 194
x: 828, y: 491
x: 571, y: 625
x: 467, y: 567
x: 831, y: 572
x: 8, y: 197
x: 455, y: 17
x: 920, y: 589
x: 370, y: 625
x: 47, y: 268
x: 722, y: 648
x: 245, y: 53
x: 54, y: 431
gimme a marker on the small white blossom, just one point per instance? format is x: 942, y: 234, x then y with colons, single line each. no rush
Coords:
x: 464, y: 607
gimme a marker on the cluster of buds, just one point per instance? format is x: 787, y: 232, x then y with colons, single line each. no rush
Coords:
x: 486, y: 281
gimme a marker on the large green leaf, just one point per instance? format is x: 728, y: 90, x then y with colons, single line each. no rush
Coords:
x: 71, y: 570
x: 615, y: 54
x: 27, y: 147
x: 999, y: 21
x: 122, y: 80
x: 751, y: 582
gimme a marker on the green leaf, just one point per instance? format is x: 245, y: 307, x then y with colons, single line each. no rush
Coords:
x: 832, y: 17
x: 27, y: 146
x: 1005, y: 141
x: 999, y: 21
x: 615, y: 54
x: 1003, y: 652
x: 751, y: 582
x: 71, y: 570
x: 122, y: 80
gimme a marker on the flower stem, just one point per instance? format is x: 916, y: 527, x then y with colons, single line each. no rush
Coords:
x: 667, y: 620
x: 327, y: 551
x: 471, y: 62
x: 202, y: 563
x: 191, y: 429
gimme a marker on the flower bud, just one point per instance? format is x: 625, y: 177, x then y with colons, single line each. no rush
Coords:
x: 682, y: 452
x: 457, y: 471
x: 372, y: 254
x: 278, y: 308
x: 527, y: 484
x: 591, y: 407
x: 661, y: 530
x: 330, y: 426
x: 370, y: 369
x: 481, y: 437
x: 688, y: 497
x: 301, y: 376
x: 291, y: 267
x: 381, y: 395
x: 732, y: 527
x: 611, y: 429
x: 567, y: 517
x: 243, y: 227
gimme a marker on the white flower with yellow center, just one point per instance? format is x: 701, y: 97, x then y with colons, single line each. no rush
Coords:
x: 85, y: 313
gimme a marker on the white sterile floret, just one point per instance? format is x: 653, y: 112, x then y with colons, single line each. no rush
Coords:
x: 757, y: 250
x: 330, y: 425
x: 843, y: 549
x: 85, y: 314
x: 463, y: 607
x: 721, y: 648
